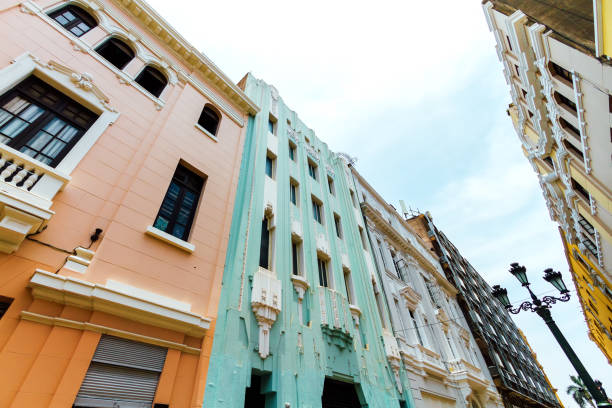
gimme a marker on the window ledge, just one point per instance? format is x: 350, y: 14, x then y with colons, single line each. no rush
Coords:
x: 206, y: 132
x: 170, y: 239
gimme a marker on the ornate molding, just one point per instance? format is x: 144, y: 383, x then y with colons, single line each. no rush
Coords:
x: 266, y: 305
x: 300, y: 285
x: 412, y: 297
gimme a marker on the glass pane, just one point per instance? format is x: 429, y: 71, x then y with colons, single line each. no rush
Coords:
x: 54, y: 148
x: 39, y: 141
x: 4, y: 139
x: 83, y: 27
x: 28, y: 151
x: 178, y: 231
x: 68, y: 15
x: 62, y: 20
x: 76, y: 31
x: 15, y: 104
x: 44, y: 159
x: 161, y: 223
x: 31, y: 113
x: 4, y: 117
x: 54, y: 126
x: 169, y: 202
x: 183, y: 216
x: 67, y: 133
x: 14, y: 127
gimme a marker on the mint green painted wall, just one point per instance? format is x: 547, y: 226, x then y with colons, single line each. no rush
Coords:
x: 301, y: 356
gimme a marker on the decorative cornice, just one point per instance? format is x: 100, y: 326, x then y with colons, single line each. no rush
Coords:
x: 91, y: 296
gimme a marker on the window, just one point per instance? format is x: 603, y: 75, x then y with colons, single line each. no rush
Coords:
x: 573, y: 149
x: 509, y: 43
x: 272, y: 125
x: 296, y: 257
x: 317, y: 211
x: 209, y: 119
x: 293, y: 191
x: 152, y: 80
x: 569, y: 128
x: 292, y: 151
x: 516, y: 68
x: 582, y: 192
x: 565, y: 102
x: 116, y: 52
x: 416, y: 328
x: 312, y: 169
x: 348, y: 285
x: 264, y: 245
x: 179, y: 205
x: 330, y: 185
x: 353, y: 200
x: 122, y: 373
x: 396, y: 266
x: 5, y: 303
x: 338, y: 225
x: 270, y: 165
x: 560, y: 72
x: 74, y: 19
x: 323, y: 274
x: 549, y: 162
x: 363, y: 238
x: 41, y: 122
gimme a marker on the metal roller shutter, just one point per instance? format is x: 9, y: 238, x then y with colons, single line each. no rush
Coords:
x: 122, y: 373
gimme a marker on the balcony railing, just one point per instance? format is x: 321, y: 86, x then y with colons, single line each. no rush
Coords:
x: 336, y: 317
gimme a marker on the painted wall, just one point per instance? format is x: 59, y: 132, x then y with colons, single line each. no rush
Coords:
x: 327, y: 340
x: 118, y: 186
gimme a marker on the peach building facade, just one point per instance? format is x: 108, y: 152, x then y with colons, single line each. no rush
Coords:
x: 120, y: 148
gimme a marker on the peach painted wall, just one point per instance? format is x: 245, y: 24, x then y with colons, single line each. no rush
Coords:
x: 118, y: 186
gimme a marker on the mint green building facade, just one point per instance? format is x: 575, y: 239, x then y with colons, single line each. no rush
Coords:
x: 299, y: 321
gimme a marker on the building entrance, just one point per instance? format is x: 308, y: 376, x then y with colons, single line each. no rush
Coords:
x: 337, y: 394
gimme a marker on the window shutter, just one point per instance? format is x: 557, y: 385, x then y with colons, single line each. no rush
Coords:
x: 123, y: 373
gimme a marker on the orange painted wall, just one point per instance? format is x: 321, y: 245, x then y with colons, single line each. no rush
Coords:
x: 118, y: 186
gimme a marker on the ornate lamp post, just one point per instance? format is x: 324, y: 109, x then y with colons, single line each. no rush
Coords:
x: 541, y: 307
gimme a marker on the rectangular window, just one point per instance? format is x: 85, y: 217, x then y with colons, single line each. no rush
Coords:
x: 560, y: 72
x: 296, y: 256
x: 293, y: 191
x: 312, y: 169
x: 5, y: 303
x: 509, y: 43
x: 338, y: 225
x: 330, y: 185
x: 582, y: 192
x: 348, y: 286
x: 292, y: 151
x: 180, y: 203
x: 270, y: 164
x: 271, y: 126
x: 317, y: 211
x: 264, y: 245
x: 363, y: 238
x: 564, y: 101
x: 416, y: 328
x: 396, y: 266
x: 41, y: 122
x: 353, y: 200
x: 323, y: 274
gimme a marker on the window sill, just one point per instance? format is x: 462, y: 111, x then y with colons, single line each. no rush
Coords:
x: 170, y: 239
x: 207, y: 133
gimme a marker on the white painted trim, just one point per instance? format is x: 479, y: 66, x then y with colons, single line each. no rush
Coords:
x: 91, y: 296
x: 150, y: 296
x: 170, y: 239
x: 598, y: 27
x: 78, y: 86
x: 206, y: 132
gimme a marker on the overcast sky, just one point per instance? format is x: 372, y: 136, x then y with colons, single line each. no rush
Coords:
x: 415, y: 91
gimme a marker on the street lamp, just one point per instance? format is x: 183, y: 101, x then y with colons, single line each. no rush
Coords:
x: 541, y: 307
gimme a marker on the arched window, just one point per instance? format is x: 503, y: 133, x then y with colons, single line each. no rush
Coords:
x: 152, y: 80
x: 116, y: 52
x: 209, y: 119
x: 74, y: 19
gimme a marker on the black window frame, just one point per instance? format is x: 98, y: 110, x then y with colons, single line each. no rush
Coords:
x: 82, y: 16
x: 210, y: 119
x: 182, y: 170
x: 51, y: 112
x: 155, y: 74
x: 119, y: 45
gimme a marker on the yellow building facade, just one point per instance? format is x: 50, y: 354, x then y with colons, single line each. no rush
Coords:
x: 560, y: 81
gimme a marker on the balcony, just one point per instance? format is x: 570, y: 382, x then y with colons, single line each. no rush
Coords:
x: 336, y: 317
x: 422, y: 360
x: 27, y: 188
x: 462, y: 371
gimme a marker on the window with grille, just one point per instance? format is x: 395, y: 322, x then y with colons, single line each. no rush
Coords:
x: 74, y: 19
x: 41, y: 122
x: 152, y: 80
x: 122, y: 373
x: 209, y: 119
x: 116, y: 52
x: 180, y: 202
